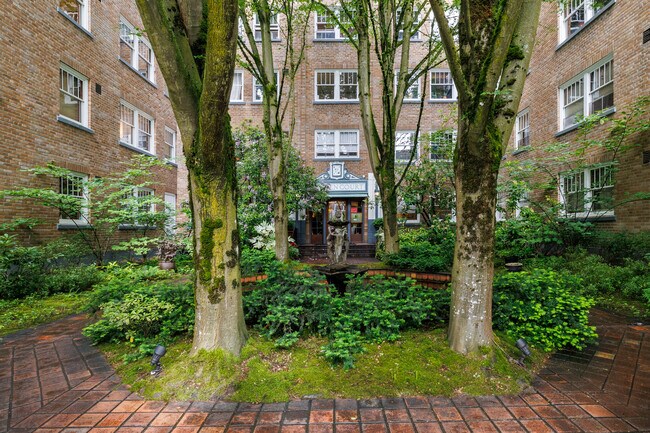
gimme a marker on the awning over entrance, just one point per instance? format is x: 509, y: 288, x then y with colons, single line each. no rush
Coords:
x: 341, y: 183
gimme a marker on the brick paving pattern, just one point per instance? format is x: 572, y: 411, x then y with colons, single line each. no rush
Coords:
x: 52, y: 380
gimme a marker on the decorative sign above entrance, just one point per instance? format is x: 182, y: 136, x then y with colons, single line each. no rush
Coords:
x: 341, y: 183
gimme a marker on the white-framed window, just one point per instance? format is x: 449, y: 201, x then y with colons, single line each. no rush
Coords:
x: 337, y: 144
x: 442, y: 86
x: 136, y: 128
x: 574, y: 14
x: 415, y: 36
x: 136, y: 51
x: 588, y: 93
x: 258, y: 91
x: 326, y: 27
x: 73, y: 95
x: 522, y: 124
x: 237, y: 91
x: 170, y: 144
x: 144, y: 197
x: 441, y: 144
x: 588, y: 191
x: 336, y: 85
x: 275, y: 28
x: 75, y: 187
x: 412, y: 91
x: 404, y: 142
x: 137, y: 204
x: 77, y: 10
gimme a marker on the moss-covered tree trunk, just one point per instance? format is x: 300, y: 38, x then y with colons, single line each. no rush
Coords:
x: 473, y: 270
x: 489, y: 66
x: 201, y: 110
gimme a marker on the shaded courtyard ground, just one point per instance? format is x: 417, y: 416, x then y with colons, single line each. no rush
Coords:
x: 53, y: 380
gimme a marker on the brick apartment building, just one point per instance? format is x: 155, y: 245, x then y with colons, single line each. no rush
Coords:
x: 328, y: 132
x: 80, y: 87
x: 578, y: 67
x: 591, y: 57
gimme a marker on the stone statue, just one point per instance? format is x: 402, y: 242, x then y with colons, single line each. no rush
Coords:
x: 337, y: 238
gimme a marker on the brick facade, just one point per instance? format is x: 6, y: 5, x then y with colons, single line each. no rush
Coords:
x: 615, y: 31
x: 312, y: 115
x: 37, y: 38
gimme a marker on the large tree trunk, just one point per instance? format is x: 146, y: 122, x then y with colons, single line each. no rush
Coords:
x: 219, y: 319
x: 219, y: 314
x: 489, y: 67
x: 201, y: 110
x: 470, y: 324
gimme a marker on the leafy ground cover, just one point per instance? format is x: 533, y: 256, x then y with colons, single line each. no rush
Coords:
x: 18, y: 314
x: 419, y: 363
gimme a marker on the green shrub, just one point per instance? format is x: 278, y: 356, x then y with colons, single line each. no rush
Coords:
x: 142, y: 306
x: 533, y: 235
x: 21, y: 269
x: 616, y: 247
x: 543, y: 308
x: 422, y: 257
x: 256, y: 262
x: 72, y: 279
x: 120, y: 280
x: 598, y: 277
x: 425, y: 249
x: 290, y: 303
x: 145, y: 312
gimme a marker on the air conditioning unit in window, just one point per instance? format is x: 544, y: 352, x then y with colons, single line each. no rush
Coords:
x: 126, y: 138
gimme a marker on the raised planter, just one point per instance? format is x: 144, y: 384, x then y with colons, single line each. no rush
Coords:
x: 425, y: 279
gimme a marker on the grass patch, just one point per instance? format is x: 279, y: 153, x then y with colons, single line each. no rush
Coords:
x: 18, y: 314
x: 420, y: 363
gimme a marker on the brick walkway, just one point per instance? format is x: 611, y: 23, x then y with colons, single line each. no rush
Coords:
x: 52, y: 380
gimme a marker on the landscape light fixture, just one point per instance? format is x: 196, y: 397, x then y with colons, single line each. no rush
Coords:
x: 158, y: 353
x: 525, y: 351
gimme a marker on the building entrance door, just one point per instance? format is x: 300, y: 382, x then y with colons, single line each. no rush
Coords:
x: 356, y: 221
x: 352, y: 210
x: 316, y: 222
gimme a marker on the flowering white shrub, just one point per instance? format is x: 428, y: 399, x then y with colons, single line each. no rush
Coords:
x: 265, y: 239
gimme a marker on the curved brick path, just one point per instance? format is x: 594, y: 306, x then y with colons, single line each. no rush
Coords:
x: 52, y: 380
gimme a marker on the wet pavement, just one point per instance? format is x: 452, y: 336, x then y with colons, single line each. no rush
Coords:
x: 52, y: 380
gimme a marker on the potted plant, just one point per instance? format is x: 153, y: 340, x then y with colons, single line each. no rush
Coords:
x: 167, y: 249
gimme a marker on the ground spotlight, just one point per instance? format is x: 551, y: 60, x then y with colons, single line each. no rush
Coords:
x: 525, y: 351
x: 158, y: 353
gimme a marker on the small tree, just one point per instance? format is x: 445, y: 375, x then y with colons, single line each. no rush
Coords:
x: 303, y: 191
x: 277, y: 89
x: 97, y: 208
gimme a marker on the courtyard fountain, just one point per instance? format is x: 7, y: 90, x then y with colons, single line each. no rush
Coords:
x: 338, y: 244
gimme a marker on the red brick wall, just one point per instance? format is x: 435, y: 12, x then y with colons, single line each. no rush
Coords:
x: 618, y: 32
x: 36, y: 40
